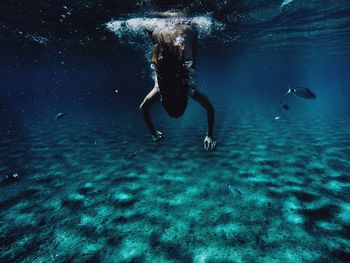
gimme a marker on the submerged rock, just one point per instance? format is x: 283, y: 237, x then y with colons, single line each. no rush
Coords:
x: 87, y: 188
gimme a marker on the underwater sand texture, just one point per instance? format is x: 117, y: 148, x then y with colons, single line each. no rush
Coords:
x: 85, y: 197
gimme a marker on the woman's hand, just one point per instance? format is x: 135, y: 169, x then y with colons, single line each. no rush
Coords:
x: 209, y: 143
x: 157, y: 136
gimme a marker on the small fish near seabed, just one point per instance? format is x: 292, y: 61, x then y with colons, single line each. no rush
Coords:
x: 132, y: 155
x: 302, y: 92
x: 60, y: 115
x: 284, y: 106
x: 233, y: 189
x: 286, y: 2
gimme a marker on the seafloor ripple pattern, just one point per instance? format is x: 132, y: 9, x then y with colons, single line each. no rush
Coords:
x: 97, y: 191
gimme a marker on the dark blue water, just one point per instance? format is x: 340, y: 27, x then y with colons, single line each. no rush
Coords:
x: 93, y: 185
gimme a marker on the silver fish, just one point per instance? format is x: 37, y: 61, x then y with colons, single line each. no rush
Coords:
x: 302, y: 92
x: 132, y: 155
x: 60, y: 115
x: 234, y: 189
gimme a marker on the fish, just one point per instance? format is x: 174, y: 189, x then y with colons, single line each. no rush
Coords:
x: 286, y: 2
x: 302, y: 92
x: 277, y: 118
x: 60, y: 115
x: 233, y: 189
x: 284, y: 106
x: 131, y: 156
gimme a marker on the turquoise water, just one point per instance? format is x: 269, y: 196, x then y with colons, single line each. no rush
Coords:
x: 91, y: 199
x: 94, y: 187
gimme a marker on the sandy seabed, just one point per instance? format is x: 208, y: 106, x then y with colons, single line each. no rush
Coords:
x: 100, y: 190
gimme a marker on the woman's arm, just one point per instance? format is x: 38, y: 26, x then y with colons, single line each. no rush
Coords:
x: 148, y: 101
x: 209, y: 143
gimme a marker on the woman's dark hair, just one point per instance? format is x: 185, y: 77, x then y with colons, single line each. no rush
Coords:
x: 172, y: 76
x: 169, y: 60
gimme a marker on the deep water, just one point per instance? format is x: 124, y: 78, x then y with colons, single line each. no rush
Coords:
x: 94, y: 187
